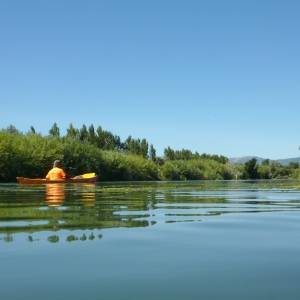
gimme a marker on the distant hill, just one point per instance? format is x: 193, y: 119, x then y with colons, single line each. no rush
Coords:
x: 242, y: 160
x: 286, y: 161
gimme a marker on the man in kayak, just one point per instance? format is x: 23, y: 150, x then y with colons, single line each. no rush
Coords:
x: 56, y: 173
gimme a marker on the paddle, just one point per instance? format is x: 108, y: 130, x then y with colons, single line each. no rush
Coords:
x: 85, y: 176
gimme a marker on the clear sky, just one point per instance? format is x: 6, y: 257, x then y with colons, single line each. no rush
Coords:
x: 213, y: 76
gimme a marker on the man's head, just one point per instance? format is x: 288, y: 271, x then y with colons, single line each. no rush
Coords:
x: 56, y: 164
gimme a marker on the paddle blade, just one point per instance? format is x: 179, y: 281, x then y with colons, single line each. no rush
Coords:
x: 88, y: 175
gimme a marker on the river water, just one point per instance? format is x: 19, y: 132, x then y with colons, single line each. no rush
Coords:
x: 160, y: 240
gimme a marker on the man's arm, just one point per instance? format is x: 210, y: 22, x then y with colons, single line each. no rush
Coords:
x: 48, y: 175
x: 63, y: 174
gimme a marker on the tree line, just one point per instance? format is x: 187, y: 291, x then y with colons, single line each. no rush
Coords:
x: 90, y: 149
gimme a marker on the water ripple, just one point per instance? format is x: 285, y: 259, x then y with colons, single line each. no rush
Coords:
x: 57, y: 207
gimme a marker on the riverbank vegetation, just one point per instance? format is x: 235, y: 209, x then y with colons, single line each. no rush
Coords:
x: 90, y: 149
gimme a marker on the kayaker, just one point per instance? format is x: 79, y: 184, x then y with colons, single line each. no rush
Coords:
x: 56, y: 173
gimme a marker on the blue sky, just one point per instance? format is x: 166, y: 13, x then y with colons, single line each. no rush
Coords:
x: 213, y: 76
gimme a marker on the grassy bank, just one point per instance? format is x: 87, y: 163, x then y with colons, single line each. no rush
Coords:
x: 86, y: 150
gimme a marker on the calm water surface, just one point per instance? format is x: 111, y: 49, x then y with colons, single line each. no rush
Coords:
x: 180, y: 240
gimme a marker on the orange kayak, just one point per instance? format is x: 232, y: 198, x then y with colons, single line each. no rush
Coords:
x: 77, y: 179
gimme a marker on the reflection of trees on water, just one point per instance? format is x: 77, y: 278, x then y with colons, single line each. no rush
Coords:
x: 30, y: 238
x: 84, y: 207
x: 7, y: 237
x: 55, y: 238
x: 73, y: 237
x: 88, y: 194
x: 73, y: 207
x: 88, y: 206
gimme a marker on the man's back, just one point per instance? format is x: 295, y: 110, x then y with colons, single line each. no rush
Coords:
x: 56, y: 174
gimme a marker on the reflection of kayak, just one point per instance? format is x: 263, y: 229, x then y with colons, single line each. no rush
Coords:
x: 85, y: 178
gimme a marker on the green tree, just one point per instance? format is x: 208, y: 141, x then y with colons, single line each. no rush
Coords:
x: 11, y: 129
x: 152, y: 153
x: 72, y: 132
x: 266, y: 162
x: 106, y: 140
x: 251, y: 169
x: 294, y: 165
x: 137, y: 146
x: 54, y: 130
x: 169, y: 154
x: 83, y: 133
x: 264, y: 171
x: 32, y: 130
x: 144, y: 146
x: 92, y: 135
